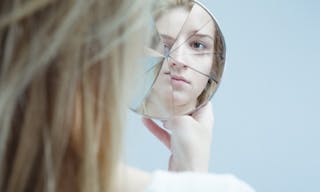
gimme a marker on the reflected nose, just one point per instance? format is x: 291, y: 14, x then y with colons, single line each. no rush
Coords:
x: 176, y: 60
x: 177, y: 65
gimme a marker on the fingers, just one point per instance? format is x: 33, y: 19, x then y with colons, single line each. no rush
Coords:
x: 180, y: 123
x: 157, y: 131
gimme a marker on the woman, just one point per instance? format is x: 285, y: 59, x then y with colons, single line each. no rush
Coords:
x: 64, y: 81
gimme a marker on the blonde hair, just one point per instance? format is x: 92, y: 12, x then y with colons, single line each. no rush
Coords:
x: 219, y: 59
x: 64, y: 73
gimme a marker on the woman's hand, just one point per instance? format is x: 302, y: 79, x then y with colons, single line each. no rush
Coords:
x: 189, y: 140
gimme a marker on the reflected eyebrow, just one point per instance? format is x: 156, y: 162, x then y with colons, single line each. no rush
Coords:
x: 192, y: 34
x: 164, y: 36
x: 200, y: 35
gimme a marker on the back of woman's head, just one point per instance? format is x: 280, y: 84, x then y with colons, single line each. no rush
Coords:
x: 64, y: 73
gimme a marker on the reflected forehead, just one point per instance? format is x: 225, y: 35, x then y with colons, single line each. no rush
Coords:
x: 171, y: 22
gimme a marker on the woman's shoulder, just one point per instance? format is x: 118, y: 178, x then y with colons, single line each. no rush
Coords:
x: 190, y: 181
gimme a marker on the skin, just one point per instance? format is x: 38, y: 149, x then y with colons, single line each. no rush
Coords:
x: 189, y: 139
x: 170, y: 95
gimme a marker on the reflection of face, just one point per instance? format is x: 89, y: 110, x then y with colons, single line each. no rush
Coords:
x: 179, y: 81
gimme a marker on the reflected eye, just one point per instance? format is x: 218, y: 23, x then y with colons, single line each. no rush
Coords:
x: 198, y: 45
x: 166, y: 46
x: 166, y: 50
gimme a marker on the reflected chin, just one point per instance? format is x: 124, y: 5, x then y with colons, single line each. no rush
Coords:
x: 181, y: 98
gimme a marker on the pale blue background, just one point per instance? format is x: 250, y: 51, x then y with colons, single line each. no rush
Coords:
x: 267, y: 109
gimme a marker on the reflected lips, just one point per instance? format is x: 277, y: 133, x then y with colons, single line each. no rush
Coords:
x: 177, y: 78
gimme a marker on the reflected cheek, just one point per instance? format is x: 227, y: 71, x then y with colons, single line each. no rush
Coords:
x: 207, y: 65
x: 199, y: 83
x: 203, y: 65
x: 162, y: 83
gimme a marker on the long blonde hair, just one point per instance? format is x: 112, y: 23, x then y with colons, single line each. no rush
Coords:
x: 64, y: 73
